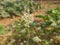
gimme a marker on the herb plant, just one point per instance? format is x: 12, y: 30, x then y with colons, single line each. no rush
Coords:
x: 27, y: 31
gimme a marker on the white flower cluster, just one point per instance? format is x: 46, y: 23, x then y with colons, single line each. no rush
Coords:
x: 28, y: 18
x: 36, y: 39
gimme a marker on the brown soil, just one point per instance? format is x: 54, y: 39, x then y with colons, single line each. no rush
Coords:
x: 8, y: 20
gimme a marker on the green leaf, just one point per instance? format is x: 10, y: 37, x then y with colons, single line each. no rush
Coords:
x: 39, y: 16
x: 34, y: 24
x: 1, y: 30
x: 45, y: 24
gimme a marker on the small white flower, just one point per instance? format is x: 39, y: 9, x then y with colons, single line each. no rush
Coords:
x: 23, y: 31
x: 53, y: 24
x: 28, y: 18
x: 27, y: 25
x: 19, y: 24
x: 58, y: 21
x: 24, y: 41
x: 36, y: 39
x: 9, y: 33
x: 21, y: 43
x: 57, y: 37
x: 51, y: 39
x: 14, y: 26
x: 39, y: 28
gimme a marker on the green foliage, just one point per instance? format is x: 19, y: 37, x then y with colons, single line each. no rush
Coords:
x: 17, y: 8
x: 1, y: 30
x: 39, y: 16
x: 54, y: 16
x: 54, y: 13
x: 46, y: 24
x: 34, y: 24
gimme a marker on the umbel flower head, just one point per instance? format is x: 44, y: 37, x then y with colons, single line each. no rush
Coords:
x: 28, y: 18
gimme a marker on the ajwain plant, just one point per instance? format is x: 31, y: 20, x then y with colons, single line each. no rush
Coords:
x: 21, y: 32
x: 26, y: 31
